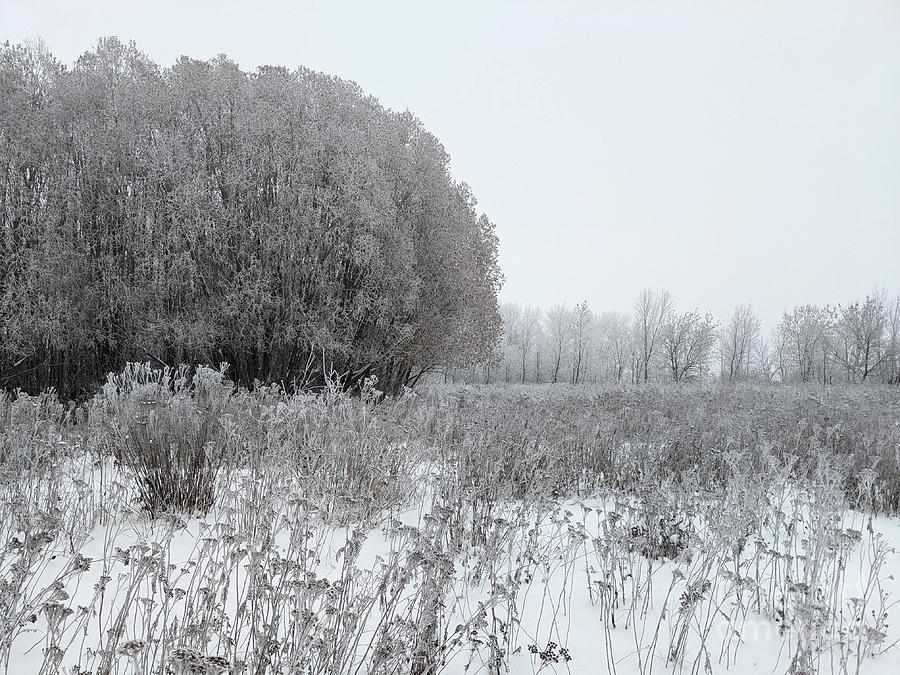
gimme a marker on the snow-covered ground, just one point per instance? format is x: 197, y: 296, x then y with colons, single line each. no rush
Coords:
x: 573, y: 586
x: 489, y: 535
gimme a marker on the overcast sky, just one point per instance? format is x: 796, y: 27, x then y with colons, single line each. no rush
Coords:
x: 728, y: 150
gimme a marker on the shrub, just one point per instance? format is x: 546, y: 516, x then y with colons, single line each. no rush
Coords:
x: 169, y: 433
x: 176, y: 455
x: 31, y: 428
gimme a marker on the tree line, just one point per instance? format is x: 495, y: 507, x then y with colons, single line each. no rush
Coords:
x: 282, y: 221
x: 859, y: 342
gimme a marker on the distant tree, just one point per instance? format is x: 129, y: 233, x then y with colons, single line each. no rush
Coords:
x: 810, y: 344
x: 780, y: 347
x: 582, y: 323
x: 511, y: 314
x: 540, y: 343
x: 558, y: 329
x: 736, y: 342
x: 687, y: 339
x: 863, y: 340
x: 529, y: 337
x: 892, y: 365
x: 651, y: 311
x: 765, y: 358
x: 615, y: 334
x: 805, y: 333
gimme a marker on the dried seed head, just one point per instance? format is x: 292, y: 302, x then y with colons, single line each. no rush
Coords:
x: 217, y: 665
x: 132, y: 648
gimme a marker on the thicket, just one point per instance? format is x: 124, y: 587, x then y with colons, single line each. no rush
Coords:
x: 281, y: 221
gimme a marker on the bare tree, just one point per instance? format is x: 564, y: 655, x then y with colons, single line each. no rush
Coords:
x: 811, y: 343
x: 779, y: 348
x: 582, y: 322
x: 615, y: 338
x: 558, y: 329
x: 863, y: 343
x: 736, y: 342
x: 529, y: 335
x: 766, y: 359
x: 651, y: 310
x: 805, y: 332
x: 687, y: 341
x: 892, y: 374
x: 512, y: 328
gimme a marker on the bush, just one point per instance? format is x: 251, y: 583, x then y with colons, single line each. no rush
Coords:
x: 176, y: 455
x: 31, y: 430
x: 171, y: 433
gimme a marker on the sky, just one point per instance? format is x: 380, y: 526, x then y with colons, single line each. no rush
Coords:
x: 726, y: 150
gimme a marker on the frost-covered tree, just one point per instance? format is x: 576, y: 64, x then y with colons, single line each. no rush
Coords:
x: 282, y: 221
x: 891, y: 367
x: 737, y: 340
x: 529, y: 340
x: 863, y: 340
x: 558, y: 332
x: 582, y: 331
x: 651, y: 311
x: 688, y: 339
x: 614, y: 330
x: 805, y: 332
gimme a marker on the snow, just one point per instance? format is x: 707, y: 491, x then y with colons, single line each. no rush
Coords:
x: 567, y: 572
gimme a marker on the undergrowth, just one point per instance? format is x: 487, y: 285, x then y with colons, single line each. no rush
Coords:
x: 176, y: 524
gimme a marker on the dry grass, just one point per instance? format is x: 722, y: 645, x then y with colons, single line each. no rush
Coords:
x: 494, y: 508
